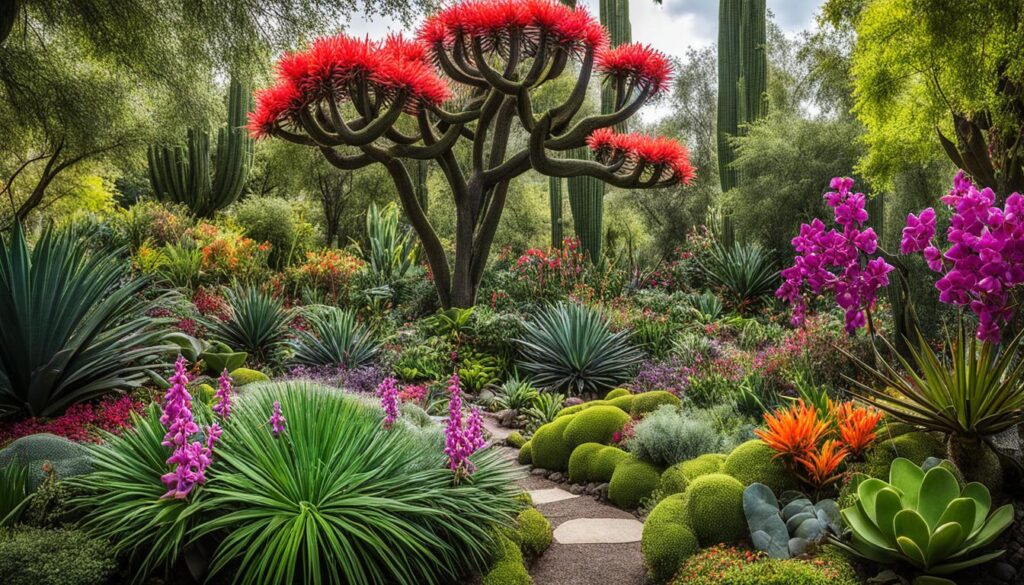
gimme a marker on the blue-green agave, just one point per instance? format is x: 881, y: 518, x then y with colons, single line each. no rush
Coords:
x: 924, y: 519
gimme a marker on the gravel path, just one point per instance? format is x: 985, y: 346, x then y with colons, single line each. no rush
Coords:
x: 587, y: 563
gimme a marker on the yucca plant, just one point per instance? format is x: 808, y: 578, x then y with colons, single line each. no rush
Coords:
x: 72, y: 327
x: 335, y: 337
x: 345, y: 503
x: 393, y: 251
x: 746, y: 273
x: 121, y: 501
x: 706, y: 307
x: 975, y: 393
x: 546, y: 407
x: 515, y: 394
x: 258, y: 323
x: 570, y: 348
x: 179, y: 265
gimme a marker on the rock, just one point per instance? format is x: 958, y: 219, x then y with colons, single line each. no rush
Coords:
x: 539, y: 471
x: 592, y: 487
x: 557, y: 477
x: 485, y: 397
x: 602, y: 491
x: 577, y: 489
x: 1004, y: 571
x: 572, y: 401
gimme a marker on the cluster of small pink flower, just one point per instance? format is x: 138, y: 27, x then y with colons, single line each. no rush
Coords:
x: 388, y: 392
x: 190, y: 458
x: 461, y: 441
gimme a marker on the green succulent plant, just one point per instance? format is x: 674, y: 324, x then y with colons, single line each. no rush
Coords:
x: 545, y: 409
x: 790, y: 530
x: 219, y: 357
x: 335, y: 338
x: 925, y: 519
x: 746, y: 273
x: 515, y: 394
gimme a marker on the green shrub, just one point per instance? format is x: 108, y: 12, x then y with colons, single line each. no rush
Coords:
x: 714, y: 509
x: 604, y: 464
x: 278, y: 221
x: 51, y: 505
x: 595, y: 425
x: 506, y: 550
x: 507, y: 573
x: 525, y: 456
x: 243, y: 376
x: 581, y: 460
x: 550, y: 451
x: 36, y: 556
x: 616, y: 393
x: 734, y: 566
x: 916, y: 446
x: 651, y: 401
x: 667, y: 541
x: 73, y: 326
x: 633, y: 481
x: 668, y: 436
x: 37, y: 452
x: 525, y: 498
x: 755, y: 462
x: 570, y: 348
x: 515, y: 439
x: 533, y: 532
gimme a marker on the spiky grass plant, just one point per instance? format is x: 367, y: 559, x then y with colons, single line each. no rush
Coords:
x: 746, y: 273
x: 257, y: 324
x: 570, y: 348
x: 335, y: 337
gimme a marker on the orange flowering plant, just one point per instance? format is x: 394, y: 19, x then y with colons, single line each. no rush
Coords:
x: 814, y: 444
x: 328, y: 272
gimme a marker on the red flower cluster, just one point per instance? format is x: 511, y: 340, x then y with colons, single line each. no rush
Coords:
x: 81, y: 422
x: 570, y: 28
x: 664, y: 155
x: 641, y: 64
x: 331, y: 65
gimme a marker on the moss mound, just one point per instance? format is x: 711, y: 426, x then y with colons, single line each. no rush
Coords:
x: 723, y: 565
x: 714, y: 509
x: 916, y: 446
x: 515, y: 439
x: 676, y: 478
x: 633, y: 481
x: 507, y: 573
x: 506, y: 551
x: 667, y: 541
x: 243, y: 376
x: 550, y: 451
x: 594, y: 425
x: 651, y: 401
x: 754, y: 462
x: 624, y: 403
x: 67, y: 458
x: 603, y: 466
x: 615, y: 393
x: 533, y: 532
x: 525, y: 456
x: 581, y: 460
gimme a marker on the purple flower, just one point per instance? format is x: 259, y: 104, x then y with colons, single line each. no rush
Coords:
x: 919, y: 231
x: 388, y: 392
x: 189, y: 458
x: 475, y: 430
x: 276, y: 421
x: 460, y: 442
x: 223, y: 396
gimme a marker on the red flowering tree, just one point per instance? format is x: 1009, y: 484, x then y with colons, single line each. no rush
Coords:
x: 460, y: 95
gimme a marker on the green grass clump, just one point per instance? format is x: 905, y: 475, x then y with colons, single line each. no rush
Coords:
x: 243, y: 376
x: 594, y: 425
x: 633, y: 481
x: 550, y: 451
x: 581, y: 461
x: 533, y: 532
x: 714, y: 509
x: 615, y: 393
x: 525, y: 456
x: 515, y: 439
x: 755, y: 462
x: 604, y: 464
x: 651, y: 401
x: 667, y: 541
x: 36, y: 556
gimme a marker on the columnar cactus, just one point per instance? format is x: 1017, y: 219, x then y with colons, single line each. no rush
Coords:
x: 181, y: 174
x: 742, y: 76
x: 345, y: 96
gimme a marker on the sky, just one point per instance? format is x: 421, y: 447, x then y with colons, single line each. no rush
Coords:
x: 672, y: 27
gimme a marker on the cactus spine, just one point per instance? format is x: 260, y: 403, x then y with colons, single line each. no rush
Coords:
x: 586, y: 194
x: 742, y: 76
x: 181, y: 174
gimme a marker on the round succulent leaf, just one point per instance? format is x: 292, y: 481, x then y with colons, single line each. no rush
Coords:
x: 982, y: 500
x: 906, y: 477
x: 811, y: 529
x: 798, y: 546
x: 911, y: 551
x: 946, y: 539
x: 961, y: 511
x: 828, y: 512
x: 771, y: 544
x: 864, y: 529
x: 947, y: 568
x: 866, y: 493
x: 796, y: 507
x: 887, y: 505
x: 909, y: 524
x: 999, y: 521
x: 938, y: 489
x: 793, y: 523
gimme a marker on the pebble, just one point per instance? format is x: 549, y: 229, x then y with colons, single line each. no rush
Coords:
x: 539, y: 471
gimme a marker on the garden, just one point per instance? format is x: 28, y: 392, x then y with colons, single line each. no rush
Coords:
x: 516, y: 296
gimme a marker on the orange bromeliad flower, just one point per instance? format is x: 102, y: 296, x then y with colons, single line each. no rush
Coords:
x: 857, y: 426
x: 821, y: 465
x: 793, y: 431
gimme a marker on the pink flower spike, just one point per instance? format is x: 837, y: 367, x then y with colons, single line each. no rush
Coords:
x: 276, y: 420
x: 223, y: 396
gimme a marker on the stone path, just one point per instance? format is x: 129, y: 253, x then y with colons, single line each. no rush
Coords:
x: 595, y: 543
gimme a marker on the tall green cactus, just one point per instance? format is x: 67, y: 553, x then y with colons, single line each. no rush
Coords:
x: 742, y: 76
x: 181, y: 174
x: 586, y: 194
